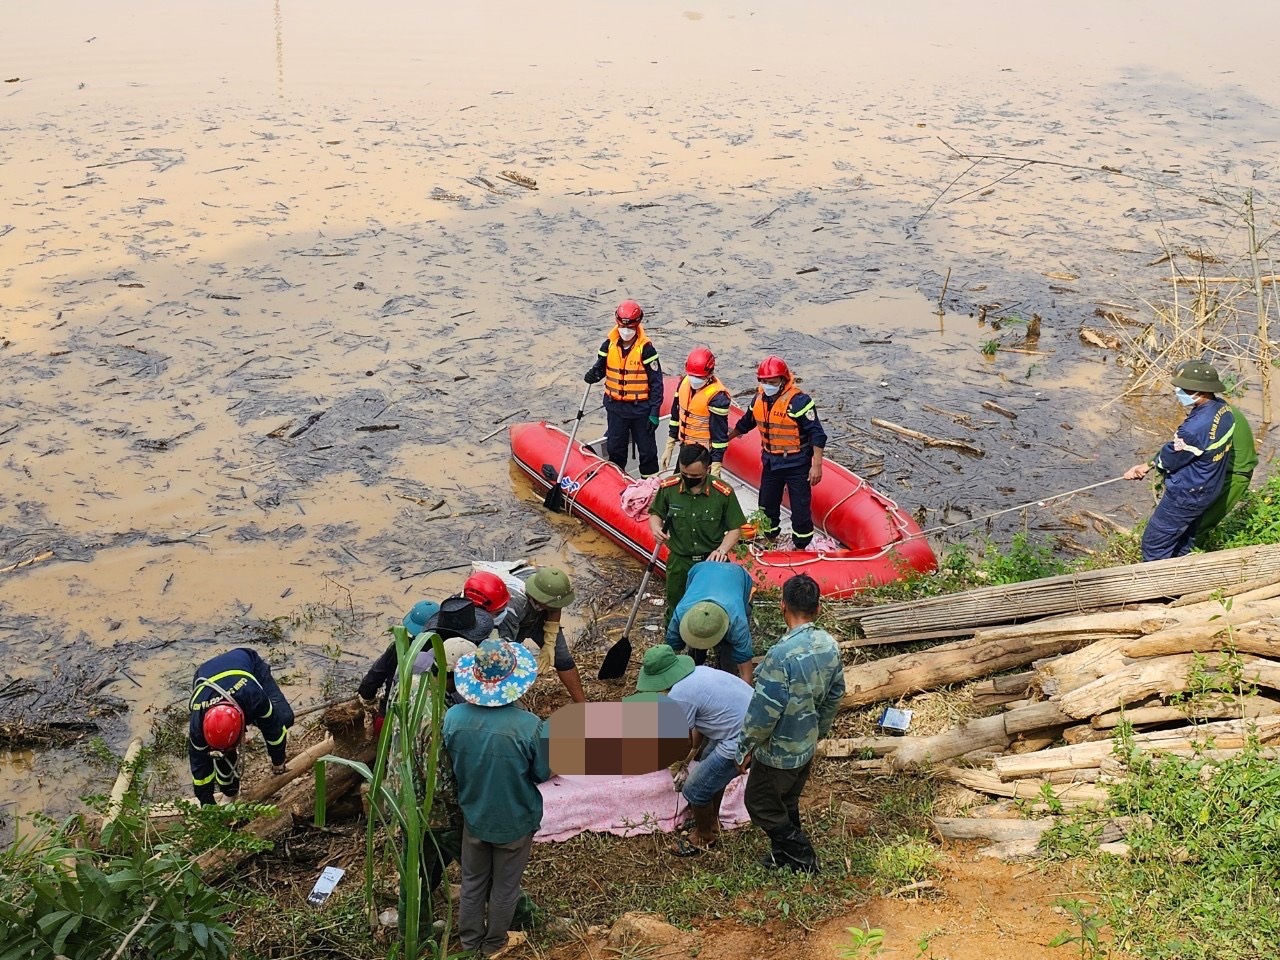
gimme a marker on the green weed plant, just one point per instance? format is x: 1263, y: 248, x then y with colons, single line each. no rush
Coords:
x: 1202, y: 879
x: 864, y: 943
x: 1254, y: 521
x: 135, y: 896
x: 399, y: 817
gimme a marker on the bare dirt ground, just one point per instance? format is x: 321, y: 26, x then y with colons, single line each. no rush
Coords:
x: 979, y: 909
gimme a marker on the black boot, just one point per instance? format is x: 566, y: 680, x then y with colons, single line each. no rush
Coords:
x: 793, y: 814
x: 774, y: 858
x: 790, y: 848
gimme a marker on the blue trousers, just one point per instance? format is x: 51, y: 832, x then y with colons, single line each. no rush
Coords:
x: 795, y: 480
x: 1171, y: 531
x: 624, y: 427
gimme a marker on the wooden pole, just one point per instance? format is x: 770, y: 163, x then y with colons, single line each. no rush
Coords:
x: 128, y: 767
x: 1264, y: 335
x: 1158, y: 676
x: 990, y: 651
x: 1224, y: 733
x: 298, y: 800
x: 265, y: 789
x: 1071, y: 593
x: 995, y: 731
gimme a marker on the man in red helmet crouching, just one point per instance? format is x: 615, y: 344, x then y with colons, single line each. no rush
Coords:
x: 232, y: 689
x: 791, y: 444
x: 700, y: 411
x: 628, y: 364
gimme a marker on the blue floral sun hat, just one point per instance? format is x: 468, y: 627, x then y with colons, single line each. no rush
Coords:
x: 498, y: 673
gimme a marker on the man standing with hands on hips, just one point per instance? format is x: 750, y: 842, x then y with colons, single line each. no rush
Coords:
x: 697, y: 516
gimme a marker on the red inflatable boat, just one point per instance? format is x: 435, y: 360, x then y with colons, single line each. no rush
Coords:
x: 881, y: 542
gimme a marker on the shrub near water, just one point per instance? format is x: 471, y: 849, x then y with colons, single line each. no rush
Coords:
x: 958, y: 570
x: 1254, y: 521
x: 131, y: 899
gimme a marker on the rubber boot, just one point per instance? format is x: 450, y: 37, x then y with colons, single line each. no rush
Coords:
x: 790, y: 848
x: 774, y: 859
x: 706, y: 824
x: 793, y: 814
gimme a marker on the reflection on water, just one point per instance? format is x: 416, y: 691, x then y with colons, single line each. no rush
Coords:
x: 258, y: 324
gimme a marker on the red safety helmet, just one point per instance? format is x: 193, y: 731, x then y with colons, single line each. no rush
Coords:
x: 223, y: 725
x: 628, y: 312
x: 487, y: 591
x: 772, y: 367
x: 701, y: 362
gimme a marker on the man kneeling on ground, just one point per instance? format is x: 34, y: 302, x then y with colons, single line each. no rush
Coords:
x: 715, y: 704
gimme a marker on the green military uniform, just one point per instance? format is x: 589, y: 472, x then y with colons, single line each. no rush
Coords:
x: 799, y: 686
x: 1244, y: 460
x: 696, y: 522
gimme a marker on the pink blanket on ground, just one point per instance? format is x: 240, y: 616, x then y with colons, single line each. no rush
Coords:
x: 623, y: 806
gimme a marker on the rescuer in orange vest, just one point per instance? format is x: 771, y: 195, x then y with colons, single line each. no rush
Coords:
x: 700, y: 411
x: 791, y: 445
x: 628, y: 365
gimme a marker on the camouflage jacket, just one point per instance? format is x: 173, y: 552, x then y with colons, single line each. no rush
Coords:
x: 799, y: 684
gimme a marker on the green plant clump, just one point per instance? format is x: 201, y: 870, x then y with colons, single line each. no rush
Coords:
x: 402, y: 788
x: 61, y: 900
x: 959, y: 569
x: 865, y: 943
x: 1202, y: 879
x: 1255, y: 520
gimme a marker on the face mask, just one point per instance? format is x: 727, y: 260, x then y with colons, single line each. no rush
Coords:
x: 770, y: 389
x: 697, y: 382
x: 500, y: 617
x: 626, y: 334
x: 691, y: 482
x: 1184, y: 398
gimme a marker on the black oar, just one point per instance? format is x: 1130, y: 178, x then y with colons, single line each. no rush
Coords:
x: 619, y: 655
x: 554, y: 499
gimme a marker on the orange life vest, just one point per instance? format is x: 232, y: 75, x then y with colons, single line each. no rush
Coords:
x: 695, y: 410
x: 779, y: 432
x: 625, y: 376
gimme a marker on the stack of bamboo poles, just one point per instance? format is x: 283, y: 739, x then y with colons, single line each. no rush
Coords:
x: 958, y: 614
x: 1065, y: 683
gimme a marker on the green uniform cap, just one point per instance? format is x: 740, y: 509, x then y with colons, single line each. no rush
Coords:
x: 662, y: 668
x: 704, y: 625
x: 1197, y: 376
x: 550, y: 587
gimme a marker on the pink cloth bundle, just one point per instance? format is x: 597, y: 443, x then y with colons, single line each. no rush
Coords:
x: 637, y: 497
x: 624, y: 806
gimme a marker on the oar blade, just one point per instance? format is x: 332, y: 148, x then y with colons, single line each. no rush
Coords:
x: 616, y: 660
x: 554, y: 500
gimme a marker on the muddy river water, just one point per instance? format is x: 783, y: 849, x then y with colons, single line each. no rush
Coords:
x: 264, y: 289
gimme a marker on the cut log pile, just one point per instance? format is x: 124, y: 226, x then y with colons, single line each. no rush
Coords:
x: 1200, y: 673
